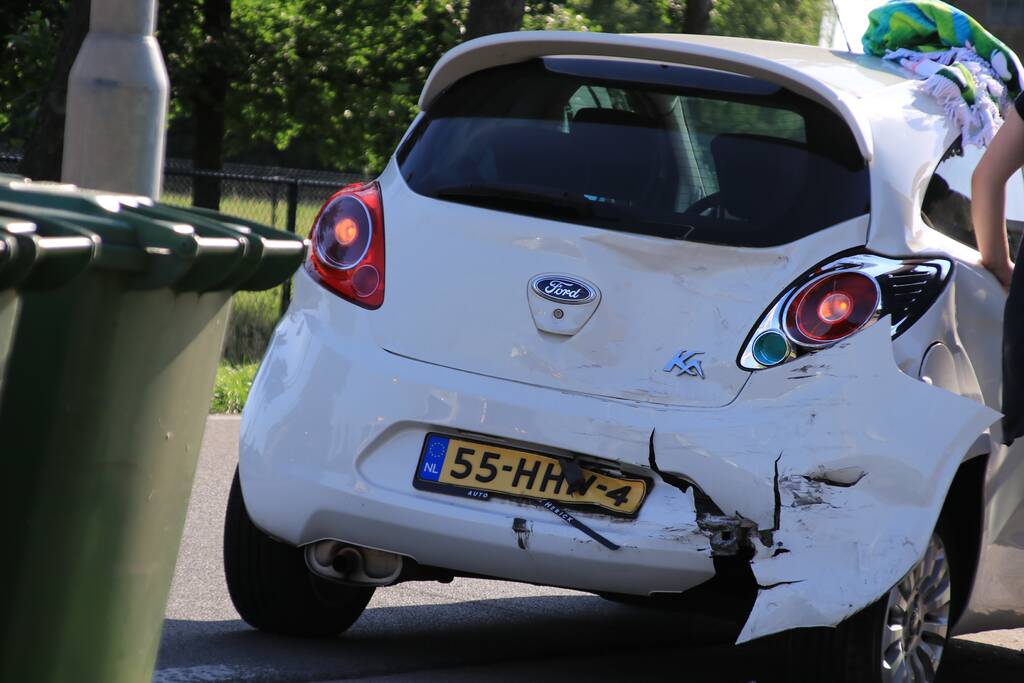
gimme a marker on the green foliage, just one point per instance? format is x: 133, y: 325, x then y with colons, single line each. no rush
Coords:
x: 232, y: 387
x: 342, y: 76
x: 609, y: 16
x: 794, y: 21
x: 180, y: 36
x: 552, y: 16
x: 29, y: 33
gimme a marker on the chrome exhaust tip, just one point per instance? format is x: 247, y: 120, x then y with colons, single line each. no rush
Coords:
x: 352, y: 564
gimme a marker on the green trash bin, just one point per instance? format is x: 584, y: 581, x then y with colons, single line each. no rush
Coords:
x: 8, y: 296
x: 108, y: 388
x: 36, y: 257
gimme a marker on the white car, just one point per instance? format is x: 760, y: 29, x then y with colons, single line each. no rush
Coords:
x: 646, y: 315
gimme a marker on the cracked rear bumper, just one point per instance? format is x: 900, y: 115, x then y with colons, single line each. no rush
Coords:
x: 334, y: 427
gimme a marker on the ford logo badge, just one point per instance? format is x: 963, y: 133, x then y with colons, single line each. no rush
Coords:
x: 563, y: 289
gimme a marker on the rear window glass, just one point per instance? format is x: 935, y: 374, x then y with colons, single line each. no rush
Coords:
x: 676, y: 152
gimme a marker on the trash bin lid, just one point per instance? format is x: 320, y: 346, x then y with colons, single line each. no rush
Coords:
x: 41, y: 255
x: 158, y: 245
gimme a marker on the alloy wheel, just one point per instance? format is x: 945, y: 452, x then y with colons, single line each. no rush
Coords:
x: 917, y: 620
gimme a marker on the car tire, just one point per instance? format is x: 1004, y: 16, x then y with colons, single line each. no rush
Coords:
x: 862, y: 648
x: 272, y: 588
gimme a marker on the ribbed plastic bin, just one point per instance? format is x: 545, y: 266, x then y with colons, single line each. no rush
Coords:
x: 108, y: 386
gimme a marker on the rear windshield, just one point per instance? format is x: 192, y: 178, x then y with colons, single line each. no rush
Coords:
x: 676, y: 152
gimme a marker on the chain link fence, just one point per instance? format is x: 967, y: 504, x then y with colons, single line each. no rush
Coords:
x: 285, y: 198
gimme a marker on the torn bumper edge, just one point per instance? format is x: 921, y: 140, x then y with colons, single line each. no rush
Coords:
x: 837, y: 546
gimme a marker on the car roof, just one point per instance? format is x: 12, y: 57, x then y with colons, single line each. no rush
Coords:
x: 841, y: 81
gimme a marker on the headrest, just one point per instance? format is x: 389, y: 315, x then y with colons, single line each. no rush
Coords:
x: 614, y: 117
x: 622, y: 160
x: 759, y: 177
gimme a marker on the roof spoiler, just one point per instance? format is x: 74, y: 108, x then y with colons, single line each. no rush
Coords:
x: 509, y: 48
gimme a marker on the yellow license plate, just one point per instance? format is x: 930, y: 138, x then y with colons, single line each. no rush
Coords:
x: 475, y: 469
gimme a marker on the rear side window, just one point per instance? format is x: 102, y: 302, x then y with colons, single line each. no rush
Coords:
x: 946, y: 205
x: 676, y: 152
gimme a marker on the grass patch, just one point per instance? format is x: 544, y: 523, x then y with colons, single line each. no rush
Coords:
x: 232, y: 387
x: 253, y: 318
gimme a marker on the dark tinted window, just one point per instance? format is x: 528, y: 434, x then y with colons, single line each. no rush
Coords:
x: 672, y: 151
x: 946, y: 205
x: 948, y: 211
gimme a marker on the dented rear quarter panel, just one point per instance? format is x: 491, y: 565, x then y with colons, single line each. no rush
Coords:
x: 968, y: 324
x: 847, y: 408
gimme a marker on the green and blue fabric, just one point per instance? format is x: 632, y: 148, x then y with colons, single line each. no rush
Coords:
x: 935, y: 26
x: 969, y: 71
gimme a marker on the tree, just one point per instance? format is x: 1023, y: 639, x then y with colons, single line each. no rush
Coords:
x: 796, y: 21
x: 493, y: 16
x: 609, y: 16
x: 697, y: 16
x: 340, y: 79
x: 208, y: 99
x: 44, y: 146
x: 29, y: 36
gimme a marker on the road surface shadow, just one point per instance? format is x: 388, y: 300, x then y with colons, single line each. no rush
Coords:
x: 966, y: 662
x: 568, y: 637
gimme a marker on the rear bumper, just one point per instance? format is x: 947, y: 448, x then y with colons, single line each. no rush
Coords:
x: 331, y: 439
x: 334, y: 427
x: 477, y: 537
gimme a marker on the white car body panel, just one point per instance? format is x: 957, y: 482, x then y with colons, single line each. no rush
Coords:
x: 339, y: 410
x: 619, y: 353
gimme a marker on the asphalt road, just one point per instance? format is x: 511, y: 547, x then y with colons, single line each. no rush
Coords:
x: 468, y: 630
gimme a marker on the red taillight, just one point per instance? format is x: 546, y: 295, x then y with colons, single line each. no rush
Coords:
x: 831, y: 307
x: 838, y: 298
x: 347, y: 254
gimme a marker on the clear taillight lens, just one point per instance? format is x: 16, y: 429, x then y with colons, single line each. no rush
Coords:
x: 837, y: 299
x: 347, y: 254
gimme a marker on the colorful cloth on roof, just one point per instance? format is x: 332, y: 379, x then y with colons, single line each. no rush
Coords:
x: 971, y: 72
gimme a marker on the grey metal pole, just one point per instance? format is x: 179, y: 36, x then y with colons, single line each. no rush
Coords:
x: 117, y: 102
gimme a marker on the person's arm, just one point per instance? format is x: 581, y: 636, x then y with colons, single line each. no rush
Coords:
x: 1004, y: 156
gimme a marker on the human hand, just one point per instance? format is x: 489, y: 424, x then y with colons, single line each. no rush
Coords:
x: 1003, y: 273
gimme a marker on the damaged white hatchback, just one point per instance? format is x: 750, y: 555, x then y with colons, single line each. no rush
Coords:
x: 645, y: 315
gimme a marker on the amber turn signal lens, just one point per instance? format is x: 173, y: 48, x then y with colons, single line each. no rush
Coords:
x: 346, y: 231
